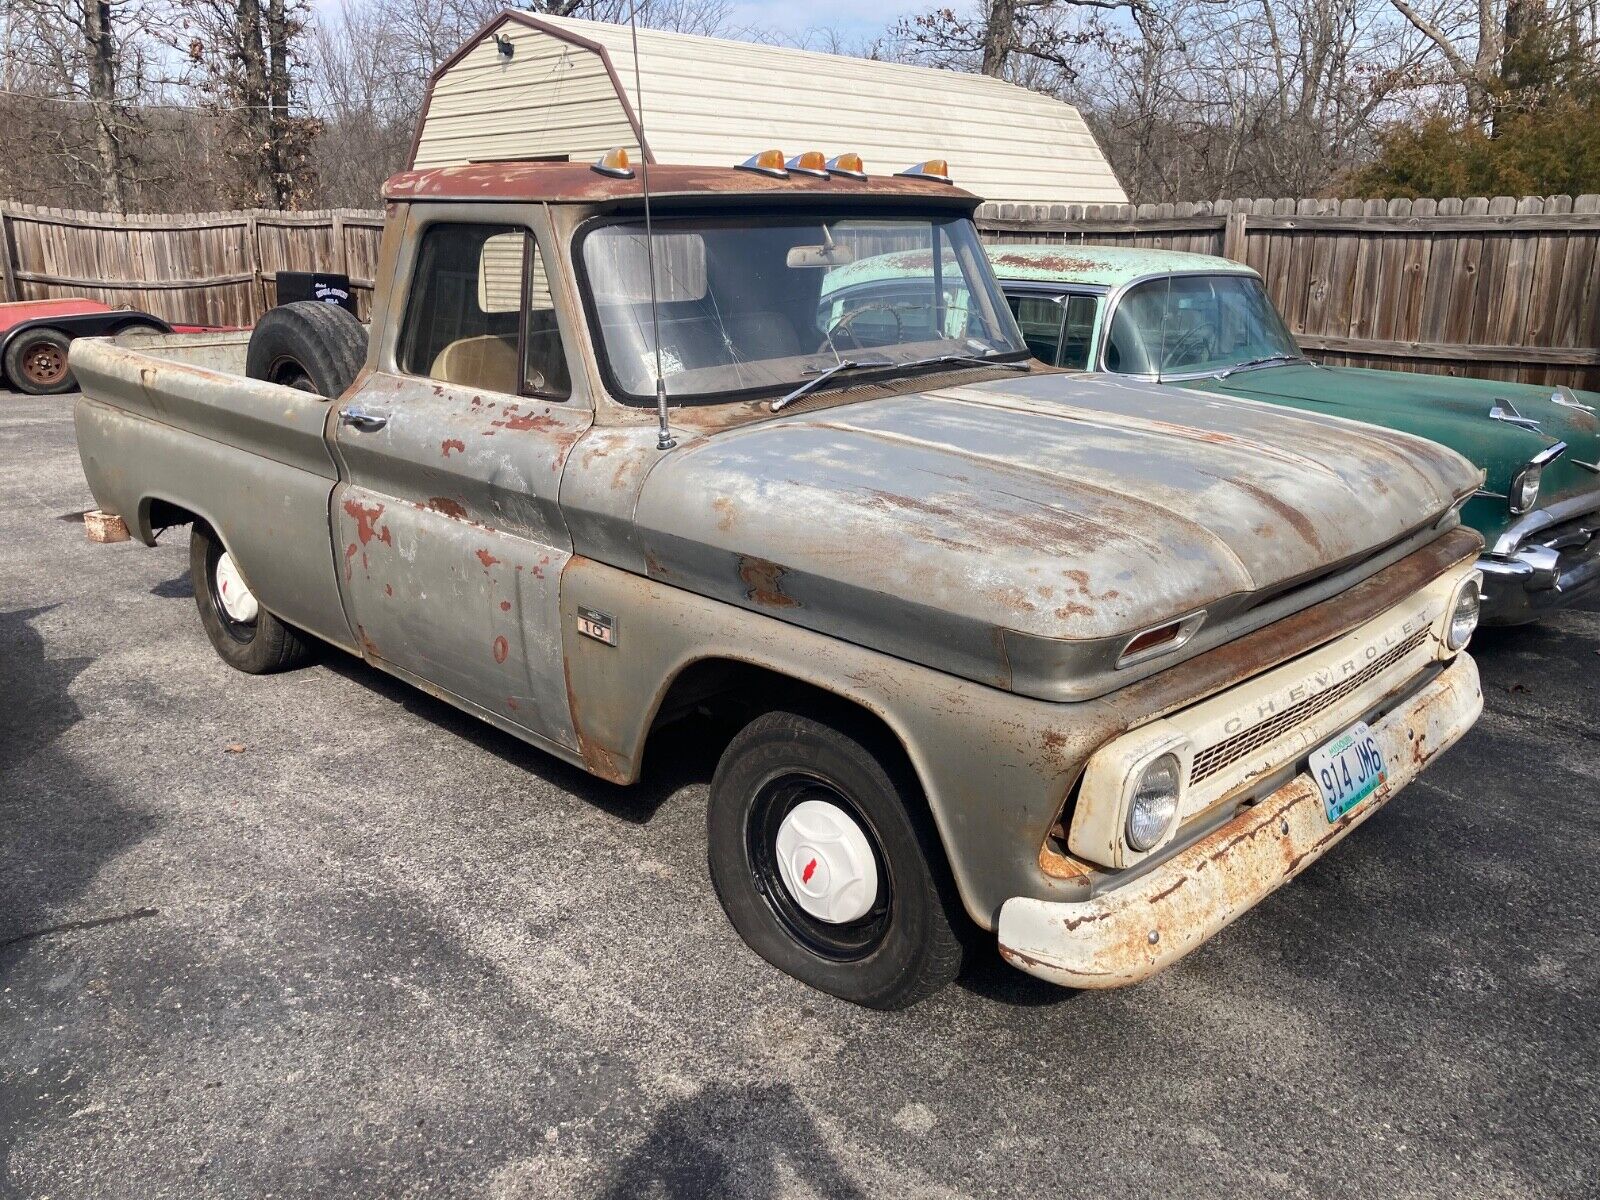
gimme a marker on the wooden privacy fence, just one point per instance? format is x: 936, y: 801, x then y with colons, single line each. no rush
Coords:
x: 1501, y: 288
x: 216, y: 268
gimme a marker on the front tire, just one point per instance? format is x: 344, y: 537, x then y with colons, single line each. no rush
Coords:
x: 823, y: 857
x: 245, y: 635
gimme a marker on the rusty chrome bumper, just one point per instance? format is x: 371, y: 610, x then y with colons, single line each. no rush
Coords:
x: 1128, y: 933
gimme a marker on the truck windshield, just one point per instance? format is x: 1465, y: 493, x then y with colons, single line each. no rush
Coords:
x: 1196, y: 325
x: 755, y: 306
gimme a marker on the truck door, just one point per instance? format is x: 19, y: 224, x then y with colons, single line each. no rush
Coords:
x: 449, y: 538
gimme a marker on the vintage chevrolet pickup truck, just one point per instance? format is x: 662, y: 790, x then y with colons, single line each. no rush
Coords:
x: 1090, y: 664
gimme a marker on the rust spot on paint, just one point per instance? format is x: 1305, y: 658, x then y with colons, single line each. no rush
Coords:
x: 725, y: 512
x: 349, y: 567
x: 450, y: 444
x: 502, y: 648
x: 505, y: 606
x: 366, y: 519
x: 449, y: 507
x: 511, y: 704
x: 488, y: 560
x: 369, y: 648
x: 521, y: 424
x: 763, y: 582
x: 1291, y: 515
x: 387, y: 590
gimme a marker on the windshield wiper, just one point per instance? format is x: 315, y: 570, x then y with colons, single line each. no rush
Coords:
x: 975, y: 360
x: 822, y: 377
x: 1261, y: 362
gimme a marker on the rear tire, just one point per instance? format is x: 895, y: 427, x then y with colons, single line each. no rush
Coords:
x: 36, y: 363
x: 904, y: 947
x: 257, y: 646
x: 315, y: 347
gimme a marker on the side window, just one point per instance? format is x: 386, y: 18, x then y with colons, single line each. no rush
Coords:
x: 1077, y: 332
x: 1039, y: 318
x: 465, y: 314
x: 544, y: 362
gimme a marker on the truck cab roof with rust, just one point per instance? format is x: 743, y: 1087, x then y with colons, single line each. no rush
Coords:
x: 580, y: 183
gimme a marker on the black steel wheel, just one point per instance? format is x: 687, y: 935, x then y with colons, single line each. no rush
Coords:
x: 824, y: 857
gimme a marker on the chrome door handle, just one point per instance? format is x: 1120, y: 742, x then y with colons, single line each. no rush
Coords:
x: 364, y: 419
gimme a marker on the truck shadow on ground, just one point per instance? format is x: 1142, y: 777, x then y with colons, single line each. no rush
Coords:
x: 750, y: 1141
x: 673, y: 763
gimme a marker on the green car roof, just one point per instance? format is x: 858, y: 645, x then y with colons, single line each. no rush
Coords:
x: 1101, y: 266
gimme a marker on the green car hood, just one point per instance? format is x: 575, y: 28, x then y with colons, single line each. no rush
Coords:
x: 1448, y: 410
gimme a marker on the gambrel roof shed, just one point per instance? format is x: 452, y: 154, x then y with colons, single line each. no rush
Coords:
x: 537, y: 87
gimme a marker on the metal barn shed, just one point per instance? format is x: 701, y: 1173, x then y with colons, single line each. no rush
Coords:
x: 531, y: 87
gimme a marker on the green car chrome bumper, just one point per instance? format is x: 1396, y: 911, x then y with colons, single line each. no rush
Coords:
x: 1545, y: 561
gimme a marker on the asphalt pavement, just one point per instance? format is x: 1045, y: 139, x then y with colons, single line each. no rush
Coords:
x: 318, y: 934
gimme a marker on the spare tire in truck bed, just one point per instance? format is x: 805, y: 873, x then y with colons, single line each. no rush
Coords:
x: 308, y: 345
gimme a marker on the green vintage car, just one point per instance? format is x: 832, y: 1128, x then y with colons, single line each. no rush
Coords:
x: 1206, y: 323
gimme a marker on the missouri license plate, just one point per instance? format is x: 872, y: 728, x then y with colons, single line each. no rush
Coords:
x: 1347, y: 770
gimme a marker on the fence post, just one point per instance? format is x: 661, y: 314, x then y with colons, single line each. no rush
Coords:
x: 1233, y: 237
x: 8, y: 274
x: 341, y: 256
x: 258, y: 289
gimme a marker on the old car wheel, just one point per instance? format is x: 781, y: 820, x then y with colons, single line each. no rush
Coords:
x: 308, y: 345
x: 824, y: 860
x: 247, y: 636
x: 36, y: 362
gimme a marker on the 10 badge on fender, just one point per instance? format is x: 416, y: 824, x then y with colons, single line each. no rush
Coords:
x: 1348, y: 770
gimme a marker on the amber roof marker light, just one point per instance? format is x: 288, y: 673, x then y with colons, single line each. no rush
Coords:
x: 849, y: 165
x: 615, y: 163
x: 811, y: 162
x: 936, y: 169
x: 768, y: 162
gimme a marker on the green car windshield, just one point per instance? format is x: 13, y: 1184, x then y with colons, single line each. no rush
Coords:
x: 749, y: 304
x: 1196, y: 325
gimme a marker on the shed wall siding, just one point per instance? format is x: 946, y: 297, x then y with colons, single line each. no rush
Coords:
x: 549, y: 99
x: 712, y: 102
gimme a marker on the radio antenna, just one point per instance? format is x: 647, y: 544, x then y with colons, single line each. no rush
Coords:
x: 664, y: 438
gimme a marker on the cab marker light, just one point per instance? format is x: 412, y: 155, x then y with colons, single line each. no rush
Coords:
x: 768, y: 162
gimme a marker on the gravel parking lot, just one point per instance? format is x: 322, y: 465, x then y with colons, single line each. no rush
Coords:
x: 319, y: 934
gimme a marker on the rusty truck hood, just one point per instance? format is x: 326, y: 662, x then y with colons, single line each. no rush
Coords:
x: 1019, y: 531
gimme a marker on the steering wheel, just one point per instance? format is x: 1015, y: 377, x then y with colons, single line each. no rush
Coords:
x: 842, y: 325
x: 1193, y: 341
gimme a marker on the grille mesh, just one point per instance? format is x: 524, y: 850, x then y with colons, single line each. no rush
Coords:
x: 1225, y: 753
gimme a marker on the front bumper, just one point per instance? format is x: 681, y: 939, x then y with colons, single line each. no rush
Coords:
x: 1128, y: 933
x: 1545, y: 561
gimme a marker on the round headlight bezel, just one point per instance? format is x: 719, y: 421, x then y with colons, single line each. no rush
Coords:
x: 1152, y: 808
x: 1525, y: 489
x: 1468, y: 595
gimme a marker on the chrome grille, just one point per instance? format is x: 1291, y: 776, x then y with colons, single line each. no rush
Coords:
x: 1229, y: 751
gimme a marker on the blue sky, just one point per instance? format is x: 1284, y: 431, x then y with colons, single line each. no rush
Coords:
x: 852, y: 18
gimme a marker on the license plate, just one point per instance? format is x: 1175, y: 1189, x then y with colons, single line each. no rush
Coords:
x: 1347, y: 770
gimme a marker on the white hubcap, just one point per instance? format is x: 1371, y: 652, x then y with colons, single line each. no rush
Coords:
x: 826, y: 862
x: 237, y: 599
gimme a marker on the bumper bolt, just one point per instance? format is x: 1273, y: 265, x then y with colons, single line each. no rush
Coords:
x: 1155, y: 936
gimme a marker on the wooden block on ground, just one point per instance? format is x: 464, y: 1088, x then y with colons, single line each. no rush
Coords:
x: 105, y: 527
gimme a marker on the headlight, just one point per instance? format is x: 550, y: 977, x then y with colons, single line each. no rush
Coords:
x: 1525, y: 489
x: 1154, y: 802
x: 1463, y: 615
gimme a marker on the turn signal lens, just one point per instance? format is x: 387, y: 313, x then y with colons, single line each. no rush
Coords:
x: 810, y: 163
x: 768, y: 162
x: 847, y: 164
x: 615, y: 162
x: 1464, y: 615
x: 1154, y: 803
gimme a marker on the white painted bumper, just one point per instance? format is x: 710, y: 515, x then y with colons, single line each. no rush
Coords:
x: 1128, y: 933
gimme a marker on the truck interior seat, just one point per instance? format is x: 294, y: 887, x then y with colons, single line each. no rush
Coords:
x: 487, y: 361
